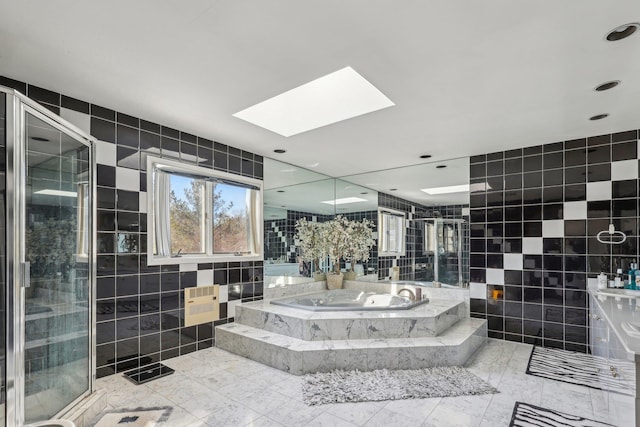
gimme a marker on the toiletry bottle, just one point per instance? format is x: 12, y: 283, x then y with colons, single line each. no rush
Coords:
x: 602, y: 281
x: 617, y: 281
x: 632, y: 275
x: 632, y: 283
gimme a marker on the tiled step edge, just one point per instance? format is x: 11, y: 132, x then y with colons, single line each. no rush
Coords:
x: 298, y: 357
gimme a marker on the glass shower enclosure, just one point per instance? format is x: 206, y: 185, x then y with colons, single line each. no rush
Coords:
x: 443, y: 249
x: 48, y: 271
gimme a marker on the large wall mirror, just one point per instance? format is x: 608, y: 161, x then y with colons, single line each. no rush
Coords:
x: 434, y: 197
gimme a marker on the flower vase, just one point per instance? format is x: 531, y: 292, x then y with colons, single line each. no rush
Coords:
x: 319, y: 276
x: 334, y: 281
x: 350, y: 275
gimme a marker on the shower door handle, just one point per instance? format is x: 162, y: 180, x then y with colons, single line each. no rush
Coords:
x: 26, y: 274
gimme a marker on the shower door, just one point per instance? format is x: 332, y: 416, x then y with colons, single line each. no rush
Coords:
x: 52, y: 266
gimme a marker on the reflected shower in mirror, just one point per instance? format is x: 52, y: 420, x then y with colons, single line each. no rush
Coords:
x: 434, y: 197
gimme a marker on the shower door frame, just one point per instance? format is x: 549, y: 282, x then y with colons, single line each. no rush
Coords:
x: 17, y: 106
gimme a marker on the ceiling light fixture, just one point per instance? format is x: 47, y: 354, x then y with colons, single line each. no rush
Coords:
x: 622, y: 32
x: 338, y: 96
x: 344, y: 201
x: 607, y: 85
x: 279, y: 151
x: 598, y: 116
x: 425, y: 156
x: 60, y: 193
x: 463, y: 188
x: 393, y: 189
x: 441, y: 166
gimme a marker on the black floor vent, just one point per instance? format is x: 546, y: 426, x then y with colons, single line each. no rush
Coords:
x: 148, y: 373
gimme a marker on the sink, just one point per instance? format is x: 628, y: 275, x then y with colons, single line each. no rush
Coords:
x: 628, y: 293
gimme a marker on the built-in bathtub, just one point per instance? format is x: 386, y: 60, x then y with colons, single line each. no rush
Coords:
x: 350, y: 300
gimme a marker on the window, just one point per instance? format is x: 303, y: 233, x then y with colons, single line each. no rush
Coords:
x: 391, y: 233
x: 202, y: 215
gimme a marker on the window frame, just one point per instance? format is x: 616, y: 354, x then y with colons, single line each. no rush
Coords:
x: 382, y: 212
x: 176, y: 167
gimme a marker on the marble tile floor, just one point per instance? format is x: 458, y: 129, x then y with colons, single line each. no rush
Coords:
x: 216, y: 388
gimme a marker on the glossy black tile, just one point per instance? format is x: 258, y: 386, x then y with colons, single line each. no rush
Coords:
x: 128, y: 136
x: 599, y: 172
x: 74, y: 104
x: 103, y: 113
x: 103, y: 130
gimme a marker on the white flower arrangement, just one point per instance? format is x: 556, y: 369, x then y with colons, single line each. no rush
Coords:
x: 309, y: 238
x: 360, y: 241
x: 338, y: 239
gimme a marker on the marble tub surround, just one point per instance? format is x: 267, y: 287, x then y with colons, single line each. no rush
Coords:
x: 285, y: 289
x: 426, y: 320
x: 438, y: 333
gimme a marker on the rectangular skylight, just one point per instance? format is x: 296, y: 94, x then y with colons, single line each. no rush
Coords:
x: 57, y: 193
x: 338, y: 96
x: 463, y: 188
x: 344, y: 201
x: 447, y: 190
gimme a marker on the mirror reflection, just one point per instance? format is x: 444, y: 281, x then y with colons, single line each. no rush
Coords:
x: 433, y: 197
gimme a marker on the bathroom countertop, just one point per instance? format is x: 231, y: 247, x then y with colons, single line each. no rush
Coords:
x: 620, y: 312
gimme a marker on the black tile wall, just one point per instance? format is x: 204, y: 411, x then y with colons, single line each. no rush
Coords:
x: 140, y: 313
x: 533, y: 233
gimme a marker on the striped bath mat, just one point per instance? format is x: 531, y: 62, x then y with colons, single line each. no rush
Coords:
x: 583, y: 369
x: 525, y: 415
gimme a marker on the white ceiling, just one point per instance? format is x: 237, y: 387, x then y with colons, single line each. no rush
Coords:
x: 467, y: 77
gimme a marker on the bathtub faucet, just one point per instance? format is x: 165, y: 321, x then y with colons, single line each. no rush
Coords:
x: 412, y: 295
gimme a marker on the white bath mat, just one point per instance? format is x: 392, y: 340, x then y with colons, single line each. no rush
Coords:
x: 582, y: 369
x: 525, y: 415
x: 139, y: 417
x: 356, y: 386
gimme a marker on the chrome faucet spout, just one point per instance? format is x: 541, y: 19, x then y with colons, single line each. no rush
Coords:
x: 412, y: 295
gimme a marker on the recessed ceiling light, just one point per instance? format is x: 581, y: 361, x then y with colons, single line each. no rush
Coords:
x: 598, y: 117
x: 344, y: 201
x: 39, y: 138
x: 622, y: 32
x: 393, y: 189
x: 441, y: 166
x: 364, y: 192
x: 313, y: 165
x: 338, y: 96
x: 279, y: 151
x: 607, y: 85
x: 425, y: 156
x: 282, y: 206
x: 280, y: 191
x: 463, y: 188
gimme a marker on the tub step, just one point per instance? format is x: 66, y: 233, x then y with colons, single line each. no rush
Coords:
x: 452, y: 348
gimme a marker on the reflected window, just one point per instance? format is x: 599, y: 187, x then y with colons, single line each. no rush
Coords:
x: 391, y: 232
x: 199, y: 213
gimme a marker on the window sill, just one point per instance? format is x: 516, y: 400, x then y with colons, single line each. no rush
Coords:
x: 201, y: 259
